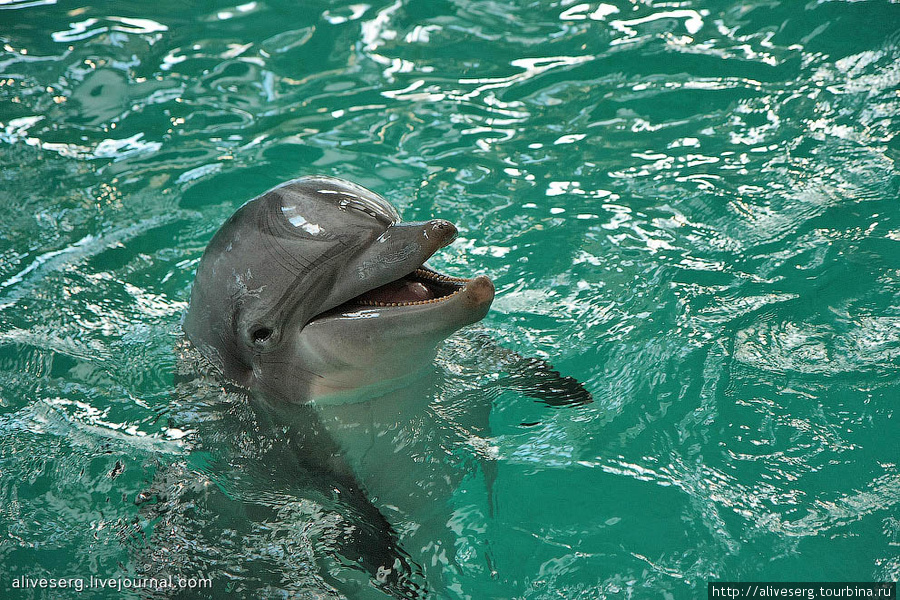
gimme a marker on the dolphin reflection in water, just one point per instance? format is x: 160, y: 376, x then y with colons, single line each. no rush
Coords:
x: 311, y: 310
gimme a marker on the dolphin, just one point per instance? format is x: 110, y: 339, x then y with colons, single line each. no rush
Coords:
x: 316, y: 288
x: 306, y: 295
x: 312, y: 291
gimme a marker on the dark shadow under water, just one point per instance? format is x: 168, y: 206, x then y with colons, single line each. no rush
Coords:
x: 286, y: 500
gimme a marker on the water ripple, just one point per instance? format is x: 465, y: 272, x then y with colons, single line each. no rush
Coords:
x: 689, y: 206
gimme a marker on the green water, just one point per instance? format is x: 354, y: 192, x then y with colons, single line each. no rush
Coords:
x: 691, y: 207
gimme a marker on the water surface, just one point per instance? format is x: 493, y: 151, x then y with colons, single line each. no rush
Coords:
x: 689, y: 206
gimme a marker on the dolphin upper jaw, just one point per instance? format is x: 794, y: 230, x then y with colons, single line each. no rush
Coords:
x: 359, y: 345
x: 420, y: 292
x: 398, y: 252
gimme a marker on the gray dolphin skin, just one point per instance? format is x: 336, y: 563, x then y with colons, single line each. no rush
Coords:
x: 316, y: 287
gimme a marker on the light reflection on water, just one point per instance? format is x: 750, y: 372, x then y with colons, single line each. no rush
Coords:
x: 690, y: 208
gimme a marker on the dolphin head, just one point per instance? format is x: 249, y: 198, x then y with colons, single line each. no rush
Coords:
x: 317, y: 286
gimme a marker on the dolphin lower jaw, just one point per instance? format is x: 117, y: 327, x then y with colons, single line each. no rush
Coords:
x: 424, y: 288
x: 460, y: 302
x: 354, y: 345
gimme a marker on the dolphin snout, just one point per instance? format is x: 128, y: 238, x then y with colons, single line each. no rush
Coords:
x: 443, y: 231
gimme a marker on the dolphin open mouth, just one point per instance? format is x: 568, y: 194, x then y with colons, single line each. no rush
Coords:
x: 416, y: 285
x: 422, y: 286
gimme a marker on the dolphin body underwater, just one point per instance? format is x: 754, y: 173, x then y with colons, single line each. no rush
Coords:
x: 313, y: 296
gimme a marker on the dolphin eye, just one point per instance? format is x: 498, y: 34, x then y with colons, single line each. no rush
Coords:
x: 261, y: 335
x: 257, y: 336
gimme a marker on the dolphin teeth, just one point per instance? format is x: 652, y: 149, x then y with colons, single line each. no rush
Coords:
x: 425, y: 275
x: 415, y: 303
x: 435, y: 276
